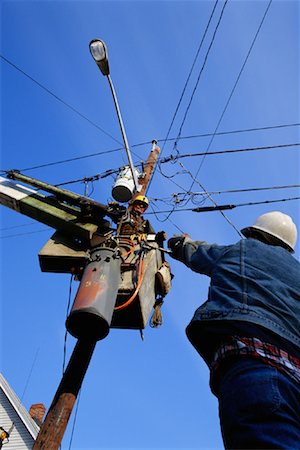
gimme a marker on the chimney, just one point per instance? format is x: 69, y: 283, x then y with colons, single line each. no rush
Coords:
x: 37, y: 412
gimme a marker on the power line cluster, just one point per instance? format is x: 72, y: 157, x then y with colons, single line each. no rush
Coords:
x: 233, y: 88
x: 178, y: 197
x: 189, y: 76
x: 194, y: 178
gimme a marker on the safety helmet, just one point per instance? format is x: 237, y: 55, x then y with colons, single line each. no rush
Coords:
x: 142, y: 199
x: 276, y: 227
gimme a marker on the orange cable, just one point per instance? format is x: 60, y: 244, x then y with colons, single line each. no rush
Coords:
x: 129, y: 251
x: 140, y: 279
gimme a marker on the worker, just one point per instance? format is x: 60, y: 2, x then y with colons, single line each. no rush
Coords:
x: 248, y: 331
x: 133, y: 223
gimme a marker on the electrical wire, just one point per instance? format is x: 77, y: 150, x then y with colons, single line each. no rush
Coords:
x: 200, y: 73
x: 189, y: 75
x: 92, y: 178
x: 76, y: 158
x: 160, y: 161
x: 174, y: 159
x: 29, y: 375
x: 229, y: 191
x: 58, y: 98
x: 26, y: 386
x: 75, y: 419
x: 222, y: 133
x: 24, y: 234
x: 213, y: 201
x: 194, y: 178
x: 233, y: 89
x: 228, y: 206
x: 168, y: 218
x: 222, y: 152
x: 18, y: 226
x: 66, y: 332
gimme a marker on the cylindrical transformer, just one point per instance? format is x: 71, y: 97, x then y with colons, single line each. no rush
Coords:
x: 94, y: 303
x: 124, y: 185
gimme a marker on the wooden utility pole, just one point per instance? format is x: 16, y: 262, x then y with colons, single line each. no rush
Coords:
x: 55, y: 423
x: 148, y: 169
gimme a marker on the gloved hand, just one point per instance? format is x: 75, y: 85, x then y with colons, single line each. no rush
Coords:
x: 175, y: 244
x: 161, y: 236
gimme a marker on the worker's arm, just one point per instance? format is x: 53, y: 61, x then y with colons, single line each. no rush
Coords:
x: 198, y: 255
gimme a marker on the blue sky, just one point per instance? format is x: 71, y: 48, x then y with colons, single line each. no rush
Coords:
x: 152, y: 394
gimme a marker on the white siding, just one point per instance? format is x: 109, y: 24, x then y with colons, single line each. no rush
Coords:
x: 12, y: 411
x: 19, y: 439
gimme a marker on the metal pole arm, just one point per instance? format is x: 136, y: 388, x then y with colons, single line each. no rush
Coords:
x: 136, y: 183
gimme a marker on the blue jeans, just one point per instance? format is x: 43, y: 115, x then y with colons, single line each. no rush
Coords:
x: 259, y: 406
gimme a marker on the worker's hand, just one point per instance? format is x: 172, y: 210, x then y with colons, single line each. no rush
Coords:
x: 142, y: 237
x: 175, y: 244
x: 161, y: 236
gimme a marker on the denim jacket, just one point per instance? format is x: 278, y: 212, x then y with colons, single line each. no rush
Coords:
x: 250, y: 282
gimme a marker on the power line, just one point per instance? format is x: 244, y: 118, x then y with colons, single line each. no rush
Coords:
x: 200, y: 73
x: 221, y: 133
x: 76, y: 158
x: 227, y: 206
x: 189, y: 75
x: 234, y: 88
x: 221, y: 152
x: 66, y: 332
x: 213, y: 201
x: 188, y: 192
x: 222, y: 115
x: 205, y: 60
x: 75, y: 419
x: 24, y: 234
x: 194, y: 178
x: 58, y: 98
x: 29, y: 375
x: 196, y: 85
x: 229, y: 191
x: 18, y: 226
x: 92, y: 178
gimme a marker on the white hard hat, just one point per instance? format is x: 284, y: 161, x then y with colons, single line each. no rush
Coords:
x: 275, y: 226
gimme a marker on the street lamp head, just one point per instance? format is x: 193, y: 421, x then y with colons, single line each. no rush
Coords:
x: 99, y: 52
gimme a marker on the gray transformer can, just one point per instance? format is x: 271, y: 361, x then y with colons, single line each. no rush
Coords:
x: 93, y: 307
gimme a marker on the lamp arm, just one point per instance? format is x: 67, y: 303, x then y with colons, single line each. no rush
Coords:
x: 134, y: 176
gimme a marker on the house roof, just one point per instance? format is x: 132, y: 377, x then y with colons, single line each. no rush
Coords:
x: 23, y: 414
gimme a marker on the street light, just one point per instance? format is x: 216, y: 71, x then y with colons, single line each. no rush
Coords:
x: 98, y: 50
x: 99, y: 53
